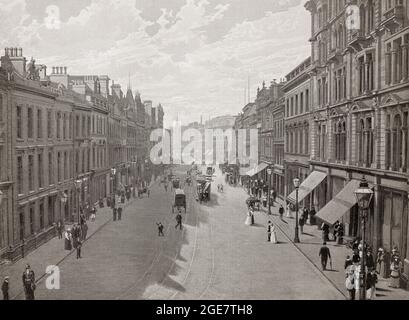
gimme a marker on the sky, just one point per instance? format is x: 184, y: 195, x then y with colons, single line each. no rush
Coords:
x: 192, y: 56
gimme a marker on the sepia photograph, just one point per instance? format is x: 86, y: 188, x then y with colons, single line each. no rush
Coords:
x: 172, y: 152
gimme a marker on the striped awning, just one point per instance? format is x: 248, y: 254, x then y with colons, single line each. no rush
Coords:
x: 257, y: 169
x: 340, y: 204
x: 307, y: 186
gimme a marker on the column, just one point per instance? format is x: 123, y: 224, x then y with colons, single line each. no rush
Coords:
x: 388, y: 69
x: 394, y: 67
x: 404, y: 62
x: 392, y: 151
x: 377, y: 232
x: 404, y: 148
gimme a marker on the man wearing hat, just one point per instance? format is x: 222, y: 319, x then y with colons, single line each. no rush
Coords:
x: 29, y: 283
x: 325, y: 254
x: 5, y: 288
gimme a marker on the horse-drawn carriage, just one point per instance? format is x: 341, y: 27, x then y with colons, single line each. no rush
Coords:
x: 254, y: 203
x: 203, y: 189
x: 180, y: 200
x: 176, y: 183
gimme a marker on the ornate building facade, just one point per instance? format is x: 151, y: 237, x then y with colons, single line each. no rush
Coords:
x: 297, y: 126
x: 360, y: 111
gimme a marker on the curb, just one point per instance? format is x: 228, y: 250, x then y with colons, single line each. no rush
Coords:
x: 322, y: 275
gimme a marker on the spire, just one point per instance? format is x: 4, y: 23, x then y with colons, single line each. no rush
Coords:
x: 129, y: 82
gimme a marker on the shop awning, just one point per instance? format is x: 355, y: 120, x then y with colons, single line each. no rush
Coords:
x: 340, y: 204
x: 257, y: 169
x: 307, y: 186
x: 243, y: 171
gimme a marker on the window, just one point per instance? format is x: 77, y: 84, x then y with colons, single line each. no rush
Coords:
x: 32, y: 212
x: 58, y: 125
x: 307, y: 100
x: 50, y: 168
x: 340, y: 141
x: 41, y: 214
x: 30, y: 123
x: 22, y: 224
x: 31, y: 172
x: 59, y: 167
x: 65, y: 166
x: 19, y: 122
x: 39, y: 124
x: 50, y: 211
x: 49, y: 125
x: 40, y: 170
x: 20, y: 174
x: 64, y: 129
x: 301, y: 102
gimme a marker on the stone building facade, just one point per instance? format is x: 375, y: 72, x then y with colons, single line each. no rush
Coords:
x: 360, y: 111
x: 60, y: 137
x: 297, y: 126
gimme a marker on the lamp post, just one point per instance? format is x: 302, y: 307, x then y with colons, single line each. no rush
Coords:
x: 269, y: 172
x: 113, y: 175
x: 296, y: 182
x: 364, y: 196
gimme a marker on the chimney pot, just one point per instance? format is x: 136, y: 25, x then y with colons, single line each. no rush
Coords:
x: 65, y: 70
x: 20, y: 52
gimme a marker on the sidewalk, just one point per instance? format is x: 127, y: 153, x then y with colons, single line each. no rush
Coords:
x: 51, y: 253
x: 311, y: 242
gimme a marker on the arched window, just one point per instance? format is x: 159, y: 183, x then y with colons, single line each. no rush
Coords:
x: 361, y: 141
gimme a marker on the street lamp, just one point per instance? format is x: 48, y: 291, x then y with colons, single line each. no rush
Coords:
x: 364, y: 196
x: 269, y: 172
x: 296, y: 182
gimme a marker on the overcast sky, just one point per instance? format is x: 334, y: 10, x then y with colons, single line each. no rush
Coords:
x: 193, y: 56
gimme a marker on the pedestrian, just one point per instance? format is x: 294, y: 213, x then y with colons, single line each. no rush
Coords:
x: 269, y: 226
x: 350, y: 281
x: 340, y: 233
x: 273, y: 237
x: 120, y: 213
x: 179, y: 221
x: 370, y: 262
x: 335, y: 230
x: 348, y: 262
x: 248, y: 218
x: 312, y: 216
x: 380, y: 258
x: 325, y: 254
x: 74, y: 234
x: 288, y: 213
x: 5, y: 288
x: 356, y: 259
x: 67, y: 240
x: 79, y: 246
x: 252, y: 217
x: 396, y: 267
x: 160, y: 229
x: 301, y: 222
x: 84, y: 231
x: 306, y: 215
x: 371, y: 281
x: 93, y: 216
x: 274, y: 195
x: 60, y: 228
x: 114, y: 212
x: 325, y: 232
x: 281, y: 212
x: 29, y: 283
x: 166, y: 187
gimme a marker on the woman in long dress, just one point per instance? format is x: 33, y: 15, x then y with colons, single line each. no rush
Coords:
x: 248, y: 218
x: 273, y: 236
x: 288, y: 211
x: 67, y: 240
x: 396, y: 266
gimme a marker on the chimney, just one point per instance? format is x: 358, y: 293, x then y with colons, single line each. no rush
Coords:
x: 60, y: 75
x: 104, y: 82
x: 16, y: 58
x: 116, y: 88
